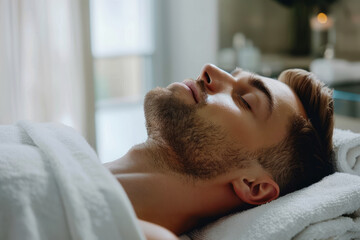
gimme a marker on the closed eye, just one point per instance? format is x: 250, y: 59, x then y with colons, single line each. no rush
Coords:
x: 244, y: 103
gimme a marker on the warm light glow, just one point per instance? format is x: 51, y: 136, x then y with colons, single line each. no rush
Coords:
x: 322, y: 18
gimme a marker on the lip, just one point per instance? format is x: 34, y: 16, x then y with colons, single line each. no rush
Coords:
x: 190, y: 84
x: 186, y: 88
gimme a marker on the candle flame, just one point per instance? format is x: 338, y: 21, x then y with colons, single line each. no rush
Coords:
x: 322, y: 18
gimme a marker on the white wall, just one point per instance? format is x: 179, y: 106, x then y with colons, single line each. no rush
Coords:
x: 187, y: 38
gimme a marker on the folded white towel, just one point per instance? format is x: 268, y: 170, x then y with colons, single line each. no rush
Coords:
x: 347, y: 151
x: 52, y: 186
x: 335, y: 70
x: 324, y: 210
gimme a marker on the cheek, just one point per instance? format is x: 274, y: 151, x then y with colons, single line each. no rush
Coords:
x: 221, y: 109
x: 237, y: 123
x: 221, y: 99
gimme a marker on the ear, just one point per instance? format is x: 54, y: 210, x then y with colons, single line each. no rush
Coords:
x: 256, y: 191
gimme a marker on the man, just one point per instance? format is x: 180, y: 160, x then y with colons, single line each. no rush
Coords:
x: 225, y: 142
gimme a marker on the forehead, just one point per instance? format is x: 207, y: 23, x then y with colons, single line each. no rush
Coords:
x: 284, y: 97
x: 241, y: 75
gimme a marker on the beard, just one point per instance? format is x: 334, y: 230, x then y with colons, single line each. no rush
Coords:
x: 190, y: 145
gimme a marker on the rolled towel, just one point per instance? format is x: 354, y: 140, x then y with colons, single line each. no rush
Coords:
x: 328, y: 209
x: 347, y: 151
x: 335, y: 70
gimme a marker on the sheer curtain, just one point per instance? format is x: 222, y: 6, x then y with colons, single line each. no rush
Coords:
x: 46, y: 63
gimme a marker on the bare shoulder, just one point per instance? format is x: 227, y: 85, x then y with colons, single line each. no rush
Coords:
x: 156, y: 232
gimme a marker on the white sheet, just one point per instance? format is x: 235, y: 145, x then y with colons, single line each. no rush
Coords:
x: 52, y: 186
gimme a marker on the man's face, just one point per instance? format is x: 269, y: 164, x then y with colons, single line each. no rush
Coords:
x: 211, y: 124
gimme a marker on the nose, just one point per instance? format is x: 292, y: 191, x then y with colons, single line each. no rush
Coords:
x: 215, y: 79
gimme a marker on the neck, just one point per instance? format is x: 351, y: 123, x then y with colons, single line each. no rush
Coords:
x: 163, y: 197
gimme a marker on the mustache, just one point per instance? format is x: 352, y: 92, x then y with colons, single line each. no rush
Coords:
x: 203, y: 93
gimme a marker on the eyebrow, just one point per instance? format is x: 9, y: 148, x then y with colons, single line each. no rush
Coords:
x: 257, y: 83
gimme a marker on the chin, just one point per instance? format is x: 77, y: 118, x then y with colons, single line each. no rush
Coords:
x: 165, y: 110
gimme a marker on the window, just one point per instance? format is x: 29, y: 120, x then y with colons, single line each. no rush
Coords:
x: 122, y: 47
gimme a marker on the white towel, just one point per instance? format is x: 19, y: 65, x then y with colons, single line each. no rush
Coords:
x: 335, y: 70
x: 52, y: 186
x: 326, y: 209
x: 347, y: 151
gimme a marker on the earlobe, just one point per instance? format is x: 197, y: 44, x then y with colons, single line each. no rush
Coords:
x: 256, y: 191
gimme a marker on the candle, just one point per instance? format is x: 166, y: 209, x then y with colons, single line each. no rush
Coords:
x: 321, y: 22
x: 322, y: 34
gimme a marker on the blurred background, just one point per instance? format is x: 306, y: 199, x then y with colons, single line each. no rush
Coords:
x: 89, y: 63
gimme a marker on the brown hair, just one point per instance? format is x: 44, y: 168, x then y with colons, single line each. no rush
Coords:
x: 306, y: 154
